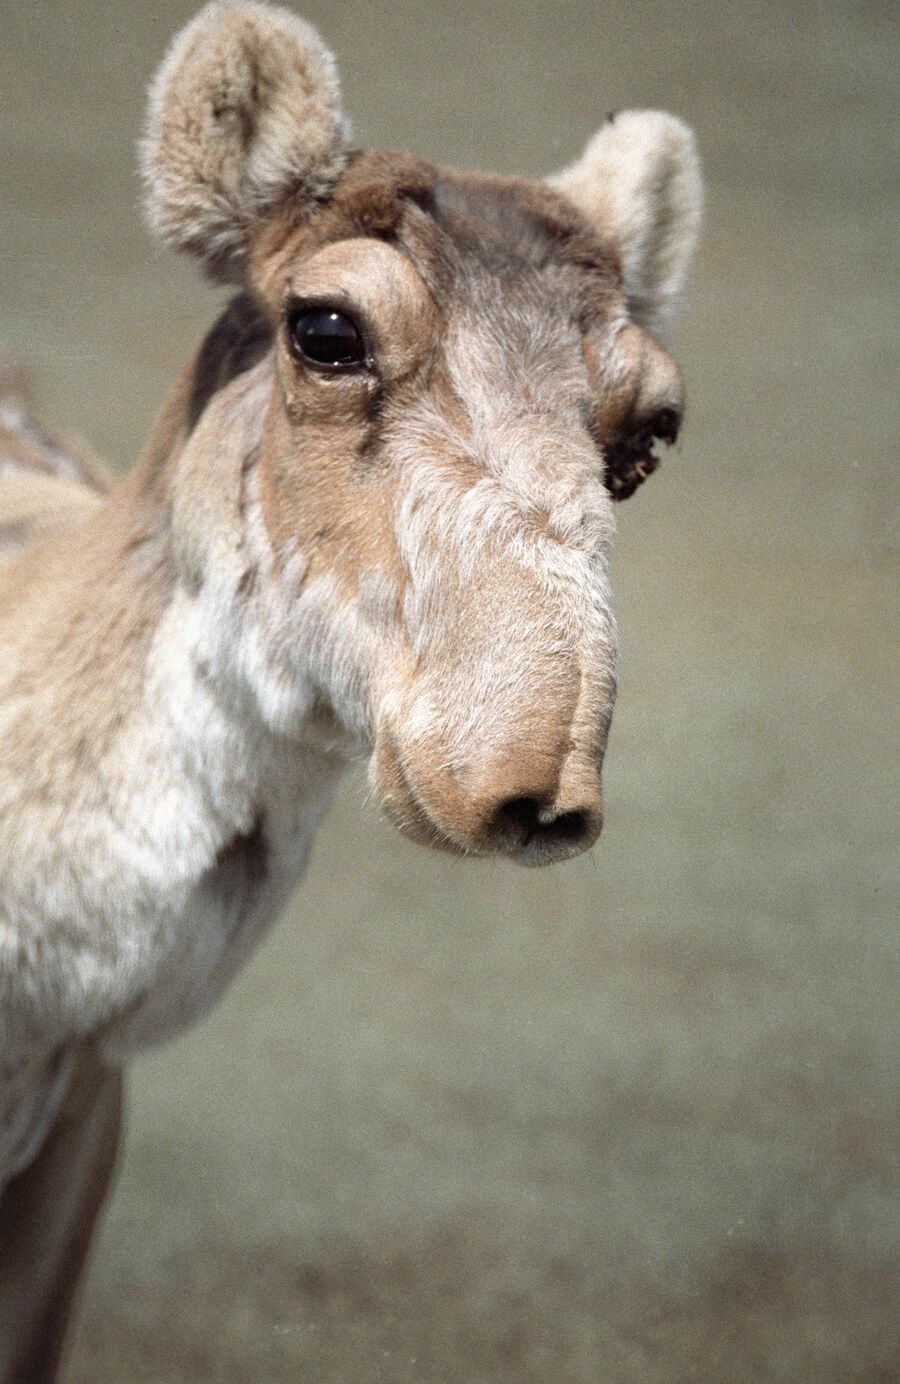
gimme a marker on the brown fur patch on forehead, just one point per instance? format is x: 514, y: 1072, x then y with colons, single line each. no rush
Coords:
x: 376, y: 190
x: 442, y: 217
x: 524, y: 220
x: 370, y: 199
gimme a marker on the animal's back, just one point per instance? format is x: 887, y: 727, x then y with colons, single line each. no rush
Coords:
x: 47, y: 481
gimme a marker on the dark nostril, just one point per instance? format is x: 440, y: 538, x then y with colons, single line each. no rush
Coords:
x: 529, y: 819
x: 568, y: 826
x: 519, y: 812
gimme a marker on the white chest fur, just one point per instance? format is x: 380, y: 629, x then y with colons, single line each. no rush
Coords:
x: 150, y: 836
x: 126, y: 914
x: 139, y: 973
x: 224, y: 917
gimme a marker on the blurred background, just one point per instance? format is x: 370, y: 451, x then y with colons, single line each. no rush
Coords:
x: 627, y: 1121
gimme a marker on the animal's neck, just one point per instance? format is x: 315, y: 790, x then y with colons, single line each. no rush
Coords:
x: 156, y: 729
x: 215, y: 672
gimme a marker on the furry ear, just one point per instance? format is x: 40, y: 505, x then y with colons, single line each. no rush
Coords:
x: 639, y: 182
x: 243, y: 113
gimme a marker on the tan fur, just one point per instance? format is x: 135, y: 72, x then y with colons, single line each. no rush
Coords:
x: 47, y: 481
x: 29, y: 446
x: 35, y: 506
x: 406, y: 562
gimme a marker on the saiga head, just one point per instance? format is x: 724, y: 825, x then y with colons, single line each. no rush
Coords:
x: 455, y: 377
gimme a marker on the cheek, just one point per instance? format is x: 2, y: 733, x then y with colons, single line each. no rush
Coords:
x: 309, y: 495
x: 319, y: 506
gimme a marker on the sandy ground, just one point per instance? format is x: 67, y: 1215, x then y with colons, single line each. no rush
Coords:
x: 627, y: 1121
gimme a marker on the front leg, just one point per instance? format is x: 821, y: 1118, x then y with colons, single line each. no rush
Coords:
x: 47, y: 1217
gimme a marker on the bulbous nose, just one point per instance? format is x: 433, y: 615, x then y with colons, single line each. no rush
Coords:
x: 535, y: 802
x: 534, y: 797
x: 536, y: 809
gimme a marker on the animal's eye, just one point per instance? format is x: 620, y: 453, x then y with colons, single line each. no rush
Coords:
x: 326, y: 338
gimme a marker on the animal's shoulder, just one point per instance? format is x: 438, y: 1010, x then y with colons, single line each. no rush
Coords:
x: 35, y: 506
x: 47, y: 481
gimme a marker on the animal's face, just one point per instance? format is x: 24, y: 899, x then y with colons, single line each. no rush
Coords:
x: 463, y: 382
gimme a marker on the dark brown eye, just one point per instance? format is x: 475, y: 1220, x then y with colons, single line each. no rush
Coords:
x: 326, y: 338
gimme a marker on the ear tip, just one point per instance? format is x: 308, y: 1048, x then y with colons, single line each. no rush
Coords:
x: 655, y: 130
x: 651, y: 146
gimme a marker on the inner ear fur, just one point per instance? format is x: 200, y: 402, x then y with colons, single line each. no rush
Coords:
x: 243, y: 113
x: 639, y: 183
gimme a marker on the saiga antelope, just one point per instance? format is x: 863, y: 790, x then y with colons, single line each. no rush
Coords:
x: 372, y: 520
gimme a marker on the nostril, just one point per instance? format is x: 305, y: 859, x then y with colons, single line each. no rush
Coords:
x: 568, y: 827
x: 523, y: 813
x: 532, y: 821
